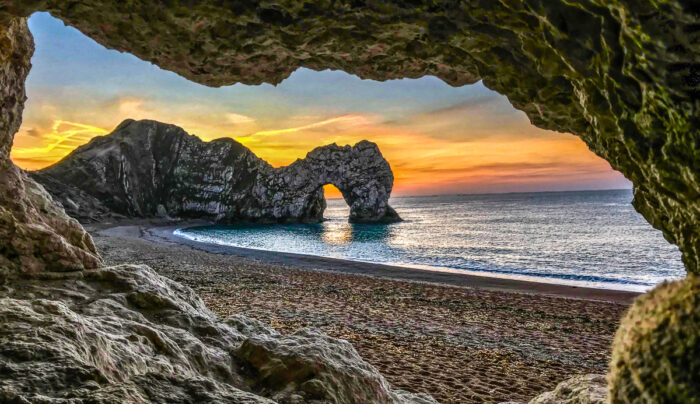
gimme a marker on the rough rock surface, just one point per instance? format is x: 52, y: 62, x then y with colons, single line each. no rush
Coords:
x: 360, y: 172
x: 586, y: 389
x: 322, y: 367
x: 76, y: 203
x: 621, y: 74
x: 36, y: 236
x: 147, y: 168
x: 656, y: 353
x: 125, y: 334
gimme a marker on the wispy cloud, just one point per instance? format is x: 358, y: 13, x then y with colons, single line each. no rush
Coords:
x: 63, y: 137
x: 352, y: 119
x: 238, y: 119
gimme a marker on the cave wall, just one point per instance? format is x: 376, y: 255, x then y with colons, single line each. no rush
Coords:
x: 36, y: 236
x: 622, y: 74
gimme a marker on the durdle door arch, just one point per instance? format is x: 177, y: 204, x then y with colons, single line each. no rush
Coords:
x: 360, y: 172
x: 624, y: 75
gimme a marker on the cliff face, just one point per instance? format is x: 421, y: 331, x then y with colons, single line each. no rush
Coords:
x: 147, y: 168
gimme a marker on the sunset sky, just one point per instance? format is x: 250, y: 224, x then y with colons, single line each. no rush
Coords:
x: 438, y: 139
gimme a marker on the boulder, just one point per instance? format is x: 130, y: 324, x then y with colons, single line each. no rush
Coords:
x: 656, y: 353
x: 325, y: 369
x: 585, y: 389
x: 127, y: 334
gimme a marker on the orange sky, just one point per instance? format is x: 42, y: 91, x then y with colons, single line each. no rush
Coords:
x: 422, y: 162
x: 438, y: 139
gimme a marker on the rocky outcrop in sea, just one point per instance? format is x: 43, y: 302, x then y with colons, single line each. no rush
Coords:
x: 147, y: 169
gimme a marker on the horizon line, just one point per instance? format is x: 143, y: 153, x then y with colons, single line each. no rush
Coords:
x: 504, y: 193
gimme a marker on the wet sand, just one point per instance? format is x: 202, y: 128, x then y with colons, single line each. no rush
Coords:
x: 460, y: 338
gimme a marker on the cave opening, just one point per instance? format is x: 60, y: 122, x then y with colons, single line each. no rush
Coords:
x: 560, y: 89
x: 419, y: 125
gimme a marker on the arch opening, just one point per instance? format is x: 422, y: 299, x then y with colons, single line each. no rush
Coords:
x: 336, y: 205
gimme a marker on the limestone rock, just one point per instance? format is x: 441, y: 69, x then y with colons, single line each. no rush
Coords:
x: 75, y: 202
x: 147, y: 169
x: 656, y: 353
x: 586, y: 389
x: 36, y: 236
x: 16, y: 49
x: 360, y: 172
x: 324, y: 368
x: 126, y: 334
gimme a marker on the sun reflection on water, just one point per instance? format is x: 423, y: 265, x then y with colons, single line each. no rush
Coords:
x: 337, y: 233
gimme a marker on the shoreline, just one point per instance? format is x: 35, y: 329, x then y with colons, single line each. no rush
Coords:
x: 161, y: 231
x: 462, y: 339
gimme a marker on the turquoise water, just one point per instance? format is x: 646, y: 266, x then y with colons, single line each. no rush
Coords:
x: 592, y: 238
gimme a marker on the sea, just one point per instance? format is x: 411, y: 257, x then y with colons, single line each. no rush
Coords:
x: 582, y: 238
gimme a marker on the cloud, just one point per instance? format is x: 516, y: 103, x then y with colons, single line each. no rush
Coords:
x: 34, y: 133
x: 238, y: 118
x: 350, y: 120
x: 472, y: 120
x: 134, y: 107
x: 52, y: 145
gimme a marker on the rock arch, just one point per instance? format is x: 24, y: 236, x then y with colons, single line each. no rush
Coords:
x: 148, y: 168
x: 360, y: 172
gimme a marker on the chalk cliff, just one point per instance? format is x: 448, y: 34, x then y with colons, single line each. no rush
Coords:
x: 147, y: 168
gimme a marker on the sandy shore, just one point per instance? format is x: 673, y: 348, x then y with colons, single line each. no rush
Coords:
x: 461, y: 338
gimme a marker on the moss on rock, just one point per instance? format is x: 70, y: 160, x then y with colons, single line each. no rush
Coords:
x: 656, y: 353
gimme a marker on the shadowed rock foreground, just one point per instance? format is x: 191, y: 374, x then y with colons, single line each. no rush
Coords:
x: 126, y: 334
x: 149, y: 169
x: 620, y: 74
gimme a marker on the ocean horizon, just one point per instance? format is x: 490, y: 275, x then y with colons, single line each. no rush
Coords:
x: 590, y: 238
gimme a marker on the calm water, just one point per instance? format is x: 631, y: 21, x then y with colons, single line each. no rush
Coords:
x: 586, y: 238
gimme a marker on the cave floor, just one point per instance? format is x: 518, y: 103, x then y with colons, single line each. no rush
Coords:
x: 458, y: 344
